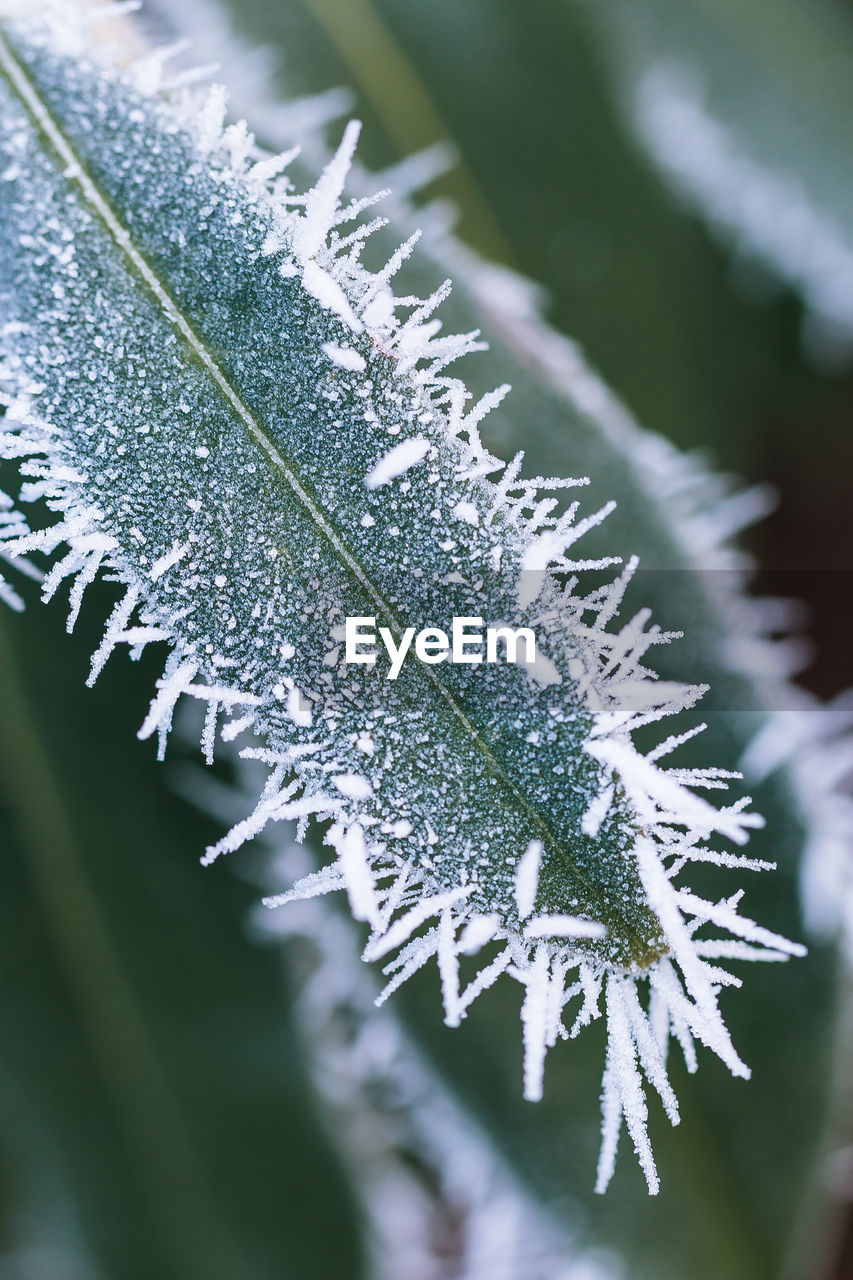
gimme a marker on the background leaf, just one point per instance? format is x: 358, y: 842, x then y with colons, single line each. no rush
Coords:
x: 772, y: 171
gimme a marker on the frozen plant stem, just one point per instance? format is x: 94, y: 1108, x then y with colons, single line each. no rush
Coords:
x: 244, y: 428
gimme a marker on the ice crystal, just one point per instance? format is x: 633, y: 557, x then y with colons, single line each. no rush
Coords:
x: 228, y: 412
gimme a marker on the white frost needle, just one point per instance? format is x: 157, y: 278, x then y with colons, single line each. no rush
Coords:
x: 231, y: 418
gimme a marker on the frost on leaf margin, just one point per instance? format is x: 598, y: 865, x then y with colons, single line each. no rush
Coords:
x: 764, y: 212
x: 496, y: 893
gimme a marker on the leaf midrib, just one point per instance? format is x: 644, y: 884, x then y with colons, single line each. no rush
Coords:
x: 76, y: 172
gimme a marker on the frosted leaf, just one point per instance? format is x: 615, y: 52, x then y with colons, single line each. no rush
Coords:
x: 302, y: 456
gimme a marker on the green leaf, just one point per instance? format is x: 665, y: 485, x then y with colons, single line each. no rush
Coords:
x: 222, y: 388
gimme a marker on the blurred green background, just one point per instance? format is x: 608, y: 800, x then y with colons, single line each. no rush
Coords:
x: 155, y: 1119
